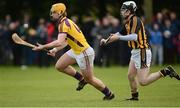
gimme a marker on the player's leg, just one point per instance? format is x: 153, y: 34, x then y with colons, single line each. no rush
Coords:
x: 143, y: 75
x: 132, y: 72
x: 97, y: 83
x: 85, y: 63
x: 63, y: 65
x: 145, y: 78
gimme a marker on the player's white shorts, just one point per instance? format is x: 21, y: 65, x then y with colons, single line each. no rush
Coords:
x: 84, y: 59
x: 141, y: 58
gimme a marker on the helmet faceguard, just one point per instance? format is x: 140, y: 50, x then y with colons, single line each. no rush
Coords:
x: 129, y: 5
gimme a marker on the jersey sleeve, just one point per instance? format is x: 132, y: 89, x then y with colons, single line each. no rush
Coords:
x: 135, y: 25
x: 63, y: 28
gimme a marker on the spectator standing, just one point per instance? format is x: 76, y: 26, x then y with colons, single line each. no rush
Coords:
x: 156, y: 42
x: 42, y: 35
x: 169, y: 49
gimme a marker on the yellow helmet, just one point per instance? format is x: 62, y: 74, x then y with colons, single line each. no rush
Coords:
x: 59, y: 8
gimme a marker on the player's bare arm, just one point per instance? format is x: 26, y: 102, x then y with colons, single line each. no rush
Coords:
x: 61, y: 41
x: 53, y: 51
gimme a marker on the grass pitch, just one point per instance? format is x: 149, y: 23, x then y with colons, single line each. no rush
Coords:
x: 45, y: 87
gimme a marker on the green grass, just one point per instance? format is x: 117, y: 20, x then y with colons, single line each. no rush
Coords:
x: 46, y: 87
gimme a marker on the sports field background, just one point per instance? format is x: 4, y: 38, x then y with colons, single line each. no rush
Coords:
x: 46, y: 87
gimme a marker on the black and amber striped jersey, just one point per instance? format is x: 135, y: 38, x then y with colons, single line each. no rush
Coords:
x: 135, y: 25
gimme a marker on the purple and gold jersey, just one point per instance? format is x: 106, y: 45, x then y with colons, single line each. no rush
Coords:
x: 75, y: 37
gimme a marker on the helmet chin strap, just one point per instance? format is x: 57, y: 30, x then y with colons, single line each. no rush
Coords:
x: 127, y: 16
x: 60, y: 17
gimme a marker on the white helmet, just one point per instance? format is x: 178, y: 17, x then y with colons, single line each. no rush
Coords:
x: 129, y: 5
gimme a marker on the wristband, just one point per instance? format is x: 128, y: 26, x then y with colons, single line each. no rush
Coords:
x: 55, y: 49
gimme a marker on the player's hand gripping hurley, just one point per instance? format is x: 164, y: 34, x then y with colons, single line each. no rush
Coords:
x: 20, y: 41
x: 108, y: 40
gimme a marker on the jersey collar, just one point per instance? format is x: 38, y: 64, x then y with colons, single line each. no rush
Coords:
x: 60, y: 21
x: 130, y: 18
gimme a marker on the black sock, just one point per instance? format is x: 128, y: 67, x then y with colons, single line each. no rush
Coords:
x: 164, y: 72
x: 135, y: 95
x: 106, y: 91
x: 78, y: 76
